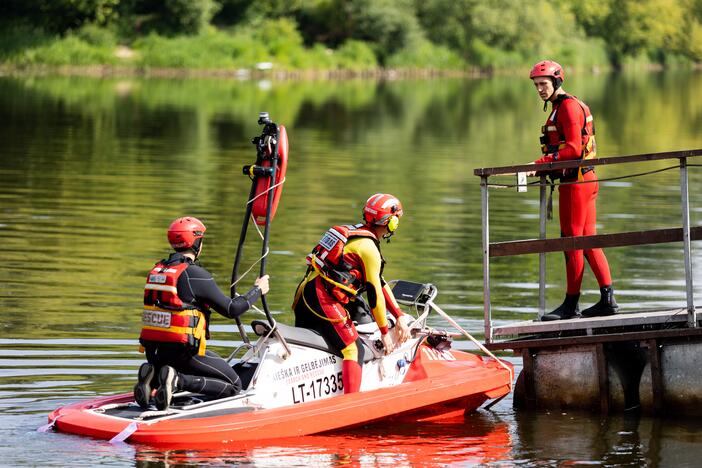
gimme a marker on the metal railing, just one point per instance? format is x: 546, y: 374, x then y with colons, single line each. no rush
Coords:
x: 543, y: 245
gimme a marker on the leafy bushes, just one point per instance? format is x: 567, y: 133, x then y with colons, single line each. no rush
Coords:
x: 90, y: 45
x: 350, y: 34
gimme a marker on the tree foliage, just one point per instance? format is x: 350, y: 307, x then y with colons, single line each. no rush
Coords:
x: 60, y: 15
x: 498, y: 33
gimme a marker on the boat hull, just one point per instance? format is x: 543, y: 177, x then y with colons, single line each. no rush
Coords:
x: 438, y: 385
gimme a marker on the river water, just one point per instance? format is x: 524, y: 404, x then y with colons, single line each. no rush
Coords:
x: 93, y: 170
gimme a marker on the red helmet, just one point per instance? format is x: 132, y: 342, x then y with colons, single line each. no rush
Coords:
x: 383, y: 209
x: 185, y: 233
x: 548, y: 68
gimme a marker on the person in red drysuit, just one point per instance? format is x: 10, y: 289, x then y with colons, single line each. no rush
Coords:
x: 569, y: 133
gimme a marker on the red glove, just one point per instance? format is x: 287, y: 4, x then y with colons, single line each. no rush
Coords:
x: 547, y: 159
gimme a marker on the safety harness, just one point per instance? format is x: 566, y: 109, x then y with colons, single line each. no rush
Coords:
x: 166, y: 318
x: 552, y: 141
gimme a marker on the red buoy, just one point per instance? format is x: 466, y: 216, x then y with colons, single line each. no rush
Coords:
x: 260, y: 200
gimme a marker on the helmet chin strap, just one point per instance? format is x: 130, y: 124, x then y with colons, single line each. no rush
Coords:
x: 197, y: 247
x: 555, y: 88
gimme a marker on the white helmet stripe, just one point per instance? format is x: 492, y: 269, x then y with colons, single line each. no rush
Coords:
x: 391, y: 202
x: 374, y: 198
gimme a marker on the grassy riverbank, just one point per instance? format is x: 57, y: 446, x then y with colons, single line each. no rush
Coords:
x: 334, y: 38
x: 275, y: 48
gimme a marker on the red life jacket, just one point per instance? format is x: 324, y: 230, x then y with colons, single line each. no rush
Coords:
x: 328, y: 260
x: 166, y: 318
x: 552, y: 140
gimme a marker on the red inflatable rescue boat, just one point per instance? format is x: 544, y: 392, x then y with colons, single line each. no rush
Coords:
x: 293, y: 387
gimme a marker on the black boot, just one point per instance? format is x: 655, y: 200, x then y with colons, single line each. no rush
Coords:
x: 168, y: 379
x: 606, y: 305
x: 142, y: 390
x: 568, y: 309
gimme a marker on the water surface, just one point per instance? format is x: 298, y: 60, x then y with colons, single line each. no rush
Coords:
x: 93, y: 171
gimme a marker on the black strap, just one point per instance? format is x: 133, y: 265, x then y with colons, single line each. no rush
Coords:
x: 549, y: 205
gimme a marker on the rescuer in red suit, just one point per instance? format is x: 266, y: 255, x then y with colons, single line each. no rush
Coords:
x: 346, y: 263
x: 569, y: 133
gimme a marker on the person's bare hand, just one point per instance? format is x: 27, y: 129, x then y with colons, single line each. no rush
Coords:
x: 262, y: 283
x: 402, y: 331
x: 388, y: 343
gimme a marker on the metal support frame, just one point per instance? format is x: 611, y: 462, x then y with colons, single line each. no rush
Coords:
x: 543, y: 202
x: 685, y: 205
x: 543, y: 245
x: 602, y: 377
x: 486, y: 258
x: 654, y: 356
x: 528, y: 376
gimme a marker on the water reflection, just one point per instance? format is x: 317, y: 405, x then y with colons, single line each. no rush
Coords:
x: 478, y: 439
x: 93, y: 170
x: 617, y: 440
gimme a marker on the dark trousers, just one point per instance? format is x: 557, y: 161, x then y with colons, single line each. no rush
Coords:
x: 209, y: 374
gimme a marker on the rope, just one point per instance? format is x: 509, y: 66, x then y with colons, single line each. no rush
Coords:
x: 339, y: 320
x: 539, y: 184
x: 254, y: 263
x: 470, y: 337
x: 267, y: 190
x: 260, y: 234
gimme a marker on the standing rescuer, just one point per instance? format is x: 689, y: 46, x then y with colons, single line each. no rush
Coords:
x: 569, y: 133
x: 347, y: 262
x: 178, y: 297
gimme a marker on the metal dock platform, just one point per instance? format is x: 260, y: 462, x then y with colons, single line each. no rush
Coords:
x: 645, y: 359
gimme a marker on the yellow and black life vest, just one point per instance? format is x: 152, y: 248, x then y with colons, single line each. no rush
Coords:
x: 166, y: 318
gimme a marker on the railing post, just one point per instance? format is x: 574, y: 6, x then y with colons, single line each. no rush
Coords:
x: 486, y: 257
x: 542, y: 256
x: 691, y: 314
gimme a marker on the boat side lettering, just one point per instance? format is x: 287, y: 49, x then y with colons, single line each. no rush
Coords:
x: 317, y: 388
x: 436, y: 355
x: 301, y: 370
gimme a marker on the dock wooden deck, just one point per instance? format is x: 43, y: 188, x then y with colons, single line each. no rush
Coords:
x: 587, y: 330
x: 647, y: 320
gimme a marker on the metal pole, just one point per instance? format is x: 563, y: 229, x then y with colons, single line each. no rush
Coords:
x: 269, y: 208
x: 486, y: 257
x: 691, y: 314
x: 542, y: 256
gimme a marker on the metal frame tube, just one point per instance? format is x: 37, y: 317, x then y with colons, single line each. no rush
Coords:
x: 687, y: 258
x: 486, y: 258
x: 267, y: 227
x: 543, y: 201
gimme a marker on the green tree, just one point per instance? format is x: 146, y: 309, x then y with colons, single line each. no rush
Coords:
x: 233, y: 12
x: 388, y: 25
x: 60, y: 15
x: 447, y: 22
x: 501, y: 32
x: 632, y: 27
x: 694, y: 30
x: 188, y: 16
x: 170, y: 17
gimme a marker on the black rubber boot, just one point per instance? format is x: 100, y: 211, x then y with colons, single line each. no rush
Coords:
x: 606, y: 305
x: 142, y: 390
x: 567, y: 310
x: 168, y: 379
